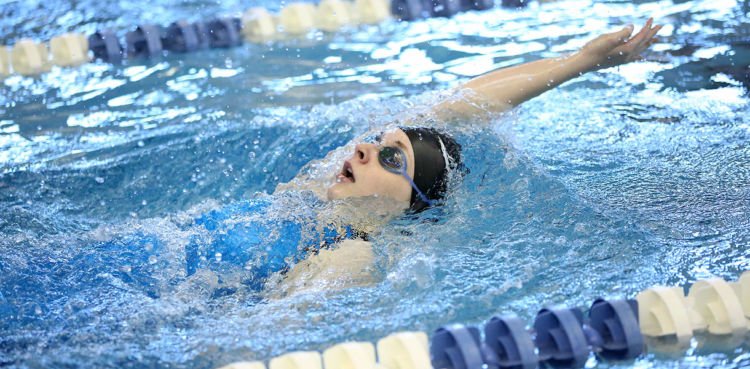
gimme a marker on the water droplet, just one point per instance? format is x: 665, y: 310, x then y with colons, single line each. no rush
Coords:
x: 152, y: 260
x: 141, y: 144
x: 144, y: 203
x: 218, y: 256
x: 99, y: 180
x: 126, y: 268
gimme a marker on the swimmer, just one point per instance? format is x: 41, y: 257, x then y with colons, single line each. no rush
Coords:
x: 409, y: 169
x: 413, y: 165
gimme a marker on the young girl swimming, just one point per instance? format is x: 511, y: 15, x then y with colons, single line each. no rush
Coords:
x: 403, y: 169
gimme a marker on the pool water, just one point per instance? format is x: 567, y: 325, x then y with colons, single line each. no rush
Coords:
x: 615, y: 182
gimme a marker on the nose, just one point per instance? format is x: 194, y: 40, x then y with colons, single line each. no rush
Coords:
x: 363, y: 152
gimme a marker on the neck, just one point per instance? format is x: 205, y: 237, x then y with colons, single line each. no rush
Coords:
x: 365, y: 214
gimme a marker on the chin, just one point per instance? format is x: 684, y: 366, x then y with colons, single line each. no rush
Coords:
x: 334, y: 192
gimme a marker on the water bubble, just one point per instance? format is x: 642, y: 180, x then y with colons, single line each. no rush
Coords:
x: 152, y: 260
x: 141, y: 144
x: 144, y: 203
x: 218, y: 256
x: 99, y: 180
x: 126, y: 268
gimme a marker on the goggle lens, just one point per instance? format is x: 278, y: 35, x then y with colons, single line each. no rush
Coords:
x: 391, y: 159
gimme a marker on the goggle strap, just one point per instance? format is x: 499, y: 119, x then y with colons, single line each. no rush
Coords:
x: 414, y: 186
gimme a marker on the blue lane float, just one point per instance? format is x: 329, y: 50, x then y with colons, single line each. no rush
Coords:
x: 444, y: 8
x: 616, y: 321
x: 457, y: 347
x: 477, y: 4
x: 560, y: 337
x: 105, y: 46
x: 144, y: 41
x: 514, y: 3
x: 183, y: 37
x: 224, y: 32
x: 408, y: 10
x: 508, y: 338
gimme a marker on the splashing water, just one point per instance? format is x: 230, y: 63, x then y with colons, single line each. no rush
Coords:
x: 617, y: 181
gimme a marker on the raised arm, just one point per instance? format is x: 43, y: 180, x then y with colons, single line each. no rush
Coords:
x: 505, y: 88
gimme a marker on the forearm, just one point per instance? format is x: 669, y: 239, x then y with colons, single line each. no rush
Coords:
x: 505, y: 88
x: 515, y: 85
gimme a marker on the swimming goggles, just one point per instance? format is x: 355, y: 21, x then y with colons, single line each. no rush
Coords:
x: 393, y: 160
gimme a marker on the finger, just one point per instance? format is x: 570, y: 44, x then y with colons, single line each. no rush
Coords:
x: 641, y: 35
x: 650, y: 39
x: 654, y: 31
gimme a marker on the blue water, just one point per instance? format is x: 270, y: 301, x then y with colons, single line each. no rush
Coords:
x: 615, y: 182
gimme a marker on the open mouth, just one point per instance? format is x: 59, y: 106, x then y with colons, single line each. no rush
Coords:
x: 347, y: 174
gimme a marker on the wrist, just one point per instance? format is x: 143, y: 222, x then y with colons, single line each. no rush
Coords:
x: 585, y: 62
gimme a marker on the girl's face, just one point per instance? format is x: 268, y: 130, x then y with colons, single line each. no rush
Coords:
x: 362, y: 175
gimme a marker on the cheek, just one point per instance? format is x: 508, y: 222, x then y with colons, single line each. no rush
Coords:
x: 395, y: 187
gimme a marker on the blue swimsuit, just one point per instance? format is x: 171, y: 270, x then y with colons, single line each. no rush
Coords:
x: 247, y: 236
x: 260, y: 245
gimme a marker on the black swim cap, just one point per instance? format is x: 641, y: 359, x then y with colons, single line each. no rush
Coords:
x: 431, y: 150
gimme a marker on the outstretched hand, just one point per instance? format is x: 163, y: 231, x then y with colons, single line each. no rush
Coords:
x: 616, y: 48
